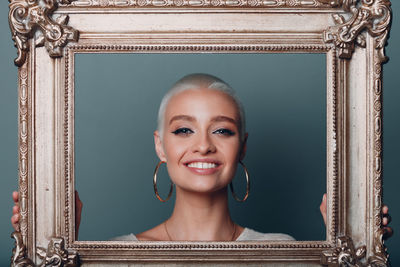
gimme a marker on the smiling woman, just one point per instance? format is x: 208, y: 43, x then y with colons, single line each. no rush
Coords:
x: 201, y: 136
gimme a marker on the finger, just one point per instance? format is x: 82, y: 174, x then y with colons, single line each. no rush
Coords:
x: 78, y: 201
x: 385, y: 209
x: 323, y: 203
x: 386, y: 219
x: 15, y: 219
x: 15, y: 210
x: 322, y: 208
x: 78, y: 212
x: 387, y: 232
x: 15, y: 196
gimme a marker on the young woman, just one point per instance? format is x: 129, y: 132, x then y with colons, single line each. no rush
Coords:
x: 201, y: 137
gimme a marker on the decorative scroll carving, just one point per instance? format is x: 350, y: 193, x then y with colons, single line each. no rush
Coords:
x: 25, y: 16
x: 24, y: 145
x: 339, y: 3
x: 371, y: 15
x: 20, y: 257
x: 345, y: 254
x: 55, y: 255
x: 200, y: 3
x: 380, y: 257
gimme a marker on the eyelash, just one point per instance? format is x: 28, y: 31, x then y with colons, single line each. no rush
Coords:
x: 182, y: 131
x: 187, y: 131
x: 225, y: 132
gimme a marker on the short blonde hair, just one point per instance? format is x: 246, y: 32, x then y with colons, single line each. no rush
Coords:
x: 197, y: 81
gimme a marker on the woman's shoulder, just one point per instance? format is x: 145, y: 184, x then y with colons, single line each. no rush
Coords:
x: 252, y: 235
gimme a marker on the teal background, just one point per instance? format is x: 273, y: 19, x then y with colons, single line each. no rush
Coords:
x: 115, y: 116
x: 8, y: 141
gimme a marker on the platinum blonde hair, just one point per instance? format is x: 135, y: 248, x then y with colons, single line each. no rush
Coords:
x: 198, y: 81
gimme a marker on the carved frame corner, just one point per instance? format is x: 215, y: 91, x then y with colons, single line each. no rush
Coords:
x: 372, y: 16
x: 31, y: 19
x: 345, y: 254
x: 55, y: 255
x: 19, y: 256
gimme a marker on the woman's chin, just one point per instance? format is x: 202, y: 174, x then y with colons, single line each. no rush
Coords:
x: 204, y: 188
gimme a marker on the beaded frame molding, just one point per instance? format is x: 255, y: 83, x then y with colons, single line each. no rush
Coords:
x: 351, y: 33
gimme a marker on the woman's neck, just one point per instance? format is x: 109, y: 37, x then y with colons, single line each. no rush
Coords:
x: 198, y: 217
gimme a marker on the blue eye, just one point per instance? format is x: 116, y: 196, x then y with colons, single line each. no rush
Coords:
x: 225, y: 132
x: 182, y: 131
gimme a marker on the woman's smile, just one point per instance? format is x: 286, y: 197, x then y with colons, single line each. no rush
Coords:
x: 203, y: 166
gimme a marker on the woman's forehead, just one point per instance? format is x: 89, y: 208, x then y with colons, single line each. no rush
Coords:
x: 202, y: 102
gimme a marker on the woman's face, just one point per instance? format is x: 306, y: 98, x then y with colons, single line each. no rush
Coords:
x: 201, y: 141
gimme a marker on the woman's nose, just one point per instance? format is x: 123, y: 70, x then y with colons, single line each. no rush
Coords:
x: 204, y: 145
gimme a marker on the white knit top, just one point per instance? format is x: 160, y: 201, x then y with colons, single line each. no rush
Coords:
x: 247, y: 235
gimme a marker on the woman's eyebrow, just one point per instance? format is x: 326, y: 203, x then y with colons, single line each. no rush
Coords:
x: 223, y: 118
x: 181, y: 117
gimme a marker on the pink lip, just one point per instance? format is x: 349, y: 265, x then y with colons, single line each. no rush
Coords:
x: 203, y: 171
x: 202, y: 160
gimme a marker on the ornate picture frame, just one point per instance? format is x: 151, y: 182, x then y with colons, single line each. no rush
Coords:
x: 351, y: 33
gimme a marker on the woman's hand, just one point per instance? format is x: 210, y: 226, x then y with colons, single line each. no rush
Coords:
x: 15, y: 210
x: 387, y: 230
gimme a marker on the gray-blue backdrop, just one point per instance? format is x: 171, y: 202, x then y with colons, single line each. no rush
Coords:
x: 116, y: 102
x: 282, y: 170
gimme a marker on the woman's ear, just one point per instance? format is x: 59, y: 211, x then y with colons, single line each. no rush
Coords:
x: 244, y: 147
x: 159, y: 147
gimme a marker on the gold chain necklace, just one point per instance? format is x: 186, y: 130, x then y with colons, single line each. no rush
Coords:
x: 170, y: 238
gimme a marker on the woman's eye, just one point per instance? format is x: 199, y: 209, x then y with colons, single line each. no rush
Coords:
x: 182, y: 131
x: 225, y: 132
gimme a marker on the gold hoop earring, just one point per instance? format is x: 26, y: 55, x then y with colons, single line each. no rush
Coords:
x: 155, y: 184
x: 247, y: 186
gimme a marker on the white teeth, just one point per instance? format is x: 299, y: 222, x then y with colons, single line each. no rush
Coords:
x: 202, y: 165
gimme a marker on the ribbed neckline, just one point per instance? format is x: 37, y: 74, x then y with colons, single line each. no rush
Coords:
x: 240, y: 237
x: 243, y: 233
